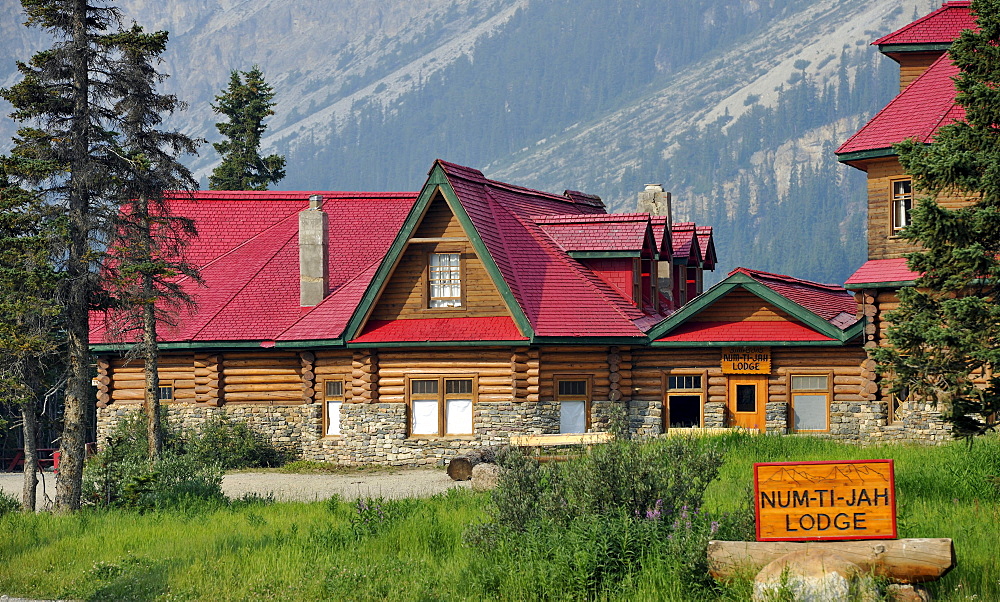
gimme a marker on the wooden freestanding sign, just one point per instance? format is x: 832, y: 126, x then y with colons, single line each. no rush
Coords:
x: 816, y: 501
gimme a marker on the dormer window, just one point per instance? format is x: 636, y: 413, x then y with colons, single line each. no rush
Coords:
x: 445, y: 280
x: 902, y: 203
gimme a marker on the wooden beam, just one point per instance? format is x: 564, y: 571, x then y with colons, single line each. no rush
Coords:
x: 415, y: 240
x: 900, y: 560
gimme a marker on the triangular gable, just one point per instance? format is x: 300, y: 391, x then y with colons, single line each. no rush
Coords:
x: 933, y: 31
x: 706, y: 243
x: 684, y: 238
x: 773, y: 320
x: 664, y: 240
x: 436, y: 194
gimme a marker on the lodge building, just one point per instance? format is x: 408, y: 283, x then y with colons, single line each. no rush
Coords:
x: 405, y: 328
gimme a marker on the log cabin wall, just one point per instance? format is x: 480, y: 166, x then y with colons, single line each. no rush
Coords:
x: 849, y: 414
x: 913, y: 64
x: 882, y: 243
x: 405, y: 295
x: 910, y: 420
x: 569, y: 363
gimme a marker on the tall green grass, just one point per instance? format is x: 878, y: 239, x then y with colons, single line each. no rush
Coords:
x: 414, y: 549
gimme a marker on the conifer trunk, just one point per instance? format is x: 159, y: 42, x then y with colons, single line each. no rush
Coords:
x: 29, y: 426
x: 72, y: 444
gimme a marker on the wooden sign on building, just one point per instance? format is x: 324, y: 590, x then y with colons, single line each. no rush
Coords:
x: 814, y: 501
x: 746, y: 360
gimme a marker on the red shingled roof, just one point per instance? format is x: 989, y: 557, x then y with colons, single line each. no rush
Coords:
x: 939, y: 27
x: 593, y: 232
x: 828, y: 301
x: 917, y: 112
x: 441, y: 329
x: 878, y: 271
x: 247, y: 252
x: 664, y: 243
x: 683, y: 238
x: 743, y: 332
x: 559, y: 296
x: 706, y: 244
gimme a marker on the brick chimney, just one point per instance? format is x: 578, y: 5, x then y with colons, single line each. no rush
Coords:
x: 313, y: 272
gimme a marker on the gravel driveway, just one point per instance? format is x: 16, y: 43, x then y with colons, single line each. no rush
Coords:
x: 400, y: 483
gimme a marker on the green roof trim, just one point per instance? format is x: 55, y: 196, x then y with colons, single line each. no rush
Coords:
x: 437, y: 181
x: 896, y: 284
x: 866, y: 154
x: 928, y: 47
x: 689, y: 344
x: 603, y: 254
x: 744, y: 281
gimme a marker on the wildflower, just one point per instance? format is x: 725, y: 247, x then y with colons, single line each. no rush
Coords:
x: 714, y: 527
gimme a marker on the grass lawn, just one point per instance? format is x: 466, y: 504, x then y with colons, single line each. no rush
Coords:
x: 413, y: 549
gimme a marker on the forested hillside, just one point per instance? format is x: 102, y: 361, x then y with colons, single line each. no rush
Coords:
x: 734, y: 105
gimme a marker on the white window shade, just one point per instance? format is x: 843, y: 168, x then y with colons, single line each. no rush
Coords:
x: 810, y: 412
x: 425, y: 417
x: 333, y: 417
x: 572, y: 417
x: 459, y: 416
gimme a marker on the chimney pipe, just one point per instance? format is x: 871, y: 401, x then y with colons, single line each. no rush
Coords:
x: 313, y: 253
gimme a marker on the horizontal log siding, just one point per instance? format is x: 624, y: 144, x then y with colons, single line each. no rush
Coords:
x: 881, y: 243
x: 570, y: 361
x: 650, y: 365
x: 741, y: 306
x: 332, y: 365
x: 404, y: 296
x: 127, y: 380
x: 913, y: 64
x: 491, y: 367
x: 262, y: 378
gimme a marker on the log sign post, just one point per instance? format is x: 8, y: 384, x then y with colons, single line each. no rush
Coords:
x: 816, y: 501
x: 827, y: 525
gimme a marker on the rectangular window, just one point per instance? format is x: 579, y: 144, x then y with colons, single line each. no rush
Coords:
x: 333, y: 401
x: 811, y: 402
x: 441, y: 406
x: 683, y: 407
x: 445, y: 280
x: 902, y: 203
x: 573, y: 397
x: 166, y: 392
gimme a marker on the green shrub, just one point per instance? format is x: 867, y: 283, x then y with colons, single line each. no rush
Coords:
x: 233, y: 444
x: 8, y: 503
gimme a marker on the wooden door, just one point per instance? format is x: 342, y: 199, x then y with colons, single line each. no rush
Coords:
x: 746, y: 397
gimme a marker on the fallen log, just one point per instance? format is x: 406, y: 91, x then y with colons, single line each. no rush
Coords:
x: 899, y: 560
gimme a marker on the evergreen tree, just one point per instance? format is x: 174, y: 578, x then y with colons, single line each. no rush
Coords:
x: 146, y: 258
x: 87, y: 150
x: 246, y: 103
x: 946, y: 332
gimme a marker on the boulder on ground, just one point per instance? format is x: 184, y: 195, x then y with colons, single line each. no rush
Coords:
x: 813, y: 576
x: 485, y: 476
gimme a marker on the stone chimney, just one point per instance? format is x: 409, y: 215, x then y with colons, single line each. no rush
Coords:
x: 655, y: 201
x: 313, y: 272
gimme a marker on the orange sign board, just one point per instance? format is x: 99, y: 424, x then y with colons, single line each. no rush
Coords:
x: 813, y: 501
x: 746, y: 360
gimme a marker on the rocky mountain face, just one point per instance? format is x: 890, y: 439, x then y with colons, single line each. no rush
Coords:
x: 734, y: 105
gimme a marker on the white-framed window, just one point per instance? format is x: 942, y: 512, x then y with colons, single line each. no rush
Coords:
x: 573, y: 396
x: 165, y: 392
x: 810, y: 402
x: 685, y: 400
x: 901, y: 203
x: 441, y: 406
x: 444, y: 277
x: 333, y: 401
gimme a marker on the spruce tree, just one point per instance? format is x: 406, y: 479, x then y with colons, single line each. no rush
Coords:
x: 944, y: 345
x: 87, y: 149
x: 246, y: 103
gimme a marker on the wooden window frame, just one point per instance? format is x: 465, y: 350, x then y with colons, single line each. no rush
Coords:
x: 326, y: 403
x: 665, y: 387
x: 828, y: 374
x: 461, y: 281
x: 893, y: 213
x: 588, y: 398
x: 441, y: 397
x: 173, y: 392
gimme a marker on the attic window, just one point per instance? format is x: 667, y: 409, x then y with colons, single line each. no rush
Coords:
x: 445, y: 280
